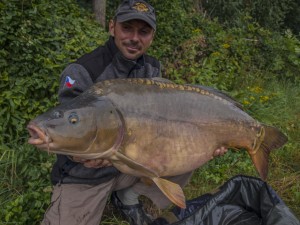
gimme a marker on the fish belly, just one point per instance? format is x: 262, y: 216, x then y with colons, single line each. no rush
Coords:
x: 172, y: 148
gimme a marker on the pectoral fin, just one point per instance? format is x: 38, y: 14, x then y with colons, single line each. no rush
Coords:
x: 171, y: 190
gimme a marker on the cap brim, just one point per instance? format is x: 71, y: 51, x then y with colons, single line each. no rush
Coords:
x: 136, y: 16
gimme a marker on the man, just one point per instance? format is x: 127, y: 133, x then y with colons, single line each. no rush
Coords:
x: 82, y: 187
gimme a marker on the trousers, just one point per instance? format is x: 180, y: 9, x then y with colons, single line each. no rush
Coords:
x: 82, y: 204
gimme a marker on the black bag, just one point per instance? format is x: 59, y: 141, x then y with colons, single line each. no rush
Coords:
x: 242, y: 200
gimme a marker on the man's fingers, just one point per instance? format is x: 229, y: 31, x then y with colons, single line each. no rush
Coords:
x: 220, y: 151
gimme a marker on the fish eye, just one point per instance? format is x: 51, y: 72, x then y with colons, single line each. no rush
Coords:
x: 73, y: 118
x: 57, y: 114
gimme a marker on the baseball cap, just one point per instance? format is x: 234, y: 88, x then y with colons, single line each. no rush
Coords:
x: 136, y: 9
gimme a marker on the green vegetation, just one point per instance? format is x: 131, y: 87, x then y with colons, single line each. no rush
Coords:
x: 255, y: 60
x: 273, y: 15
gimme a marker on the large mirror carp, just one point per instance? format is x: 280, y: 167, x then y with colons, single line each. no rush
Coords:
x: 153, y: 129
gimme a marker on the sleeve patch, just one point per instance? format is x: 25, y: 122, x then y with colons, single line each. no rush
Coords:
x: 69, y: 82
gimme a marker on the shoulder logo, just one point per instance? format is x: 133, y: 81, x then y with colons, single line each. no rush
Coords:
x: 69, y: 82
x: 141, y: 7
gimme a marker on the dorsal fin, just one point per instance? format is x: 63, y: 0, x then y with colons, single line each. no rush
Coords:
x: 211, y: 90
x: 161, y: 79
x: 218, y: 93
x: 165, y: 83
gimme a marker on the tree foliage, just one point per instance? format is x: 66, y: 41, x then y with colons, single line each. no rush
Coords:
x: 274, y: 15
x: 231, y: 58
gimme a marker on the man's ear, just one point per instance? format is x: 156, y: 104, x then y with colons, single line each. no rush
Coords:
x: 153, y: 36
x: 112, y: 28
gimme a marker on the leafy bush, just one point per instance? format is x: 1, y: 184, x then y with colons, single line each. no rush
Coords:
x: 37, y: 40
x: 227, y: 58
x: 174, y: 27
x: 273, y: 15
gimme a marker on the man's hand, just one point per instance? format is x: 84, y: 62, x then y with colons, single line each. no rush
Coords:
x: 220, y: 151
x: 92, y: 163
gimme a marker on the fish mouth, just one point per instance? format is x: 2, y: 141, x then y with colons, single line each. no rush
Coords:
x: 38, y: 137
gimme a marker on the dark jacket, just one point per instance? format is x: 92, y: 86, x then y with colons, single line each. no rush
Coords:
x: 105, y: 62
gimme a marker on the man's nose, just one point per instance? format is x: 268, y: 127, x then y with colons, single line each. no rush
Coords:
x: 135, y: 36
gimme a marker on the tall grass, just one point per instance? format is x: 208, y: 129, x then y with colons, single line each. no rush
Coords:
x: 25, y: 183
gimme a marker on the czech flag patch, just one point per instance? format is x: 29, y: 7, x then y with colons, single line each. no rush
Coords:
x: 69, y: 82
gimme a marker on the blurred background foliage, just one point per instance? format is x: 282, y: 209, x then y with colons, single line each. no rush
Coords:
x: 249, y: 49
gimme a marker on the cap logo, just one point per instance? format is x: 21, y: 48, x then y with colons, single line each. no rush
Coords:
x: 141, y: 7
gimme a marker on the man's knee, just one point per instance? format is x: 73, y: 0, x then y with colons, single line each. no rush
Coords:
x: 77, y: 204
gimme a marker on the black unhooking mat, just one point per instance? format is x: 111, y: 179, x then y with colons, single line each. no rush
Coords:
x: 242, y: 200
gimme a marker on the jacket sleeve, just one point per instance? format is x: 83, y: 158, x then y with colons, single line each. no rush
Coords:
x: 74, y: 80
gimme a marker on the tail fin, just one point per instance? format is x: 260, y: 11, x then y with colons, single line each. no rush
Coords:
x: 171, y: 190
x: 270, y: 138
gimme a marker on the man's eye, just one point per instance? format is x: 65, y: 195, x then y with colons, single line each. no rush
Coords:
x: 73, y: 118
x: 127, y: 29
x: 145, y: 32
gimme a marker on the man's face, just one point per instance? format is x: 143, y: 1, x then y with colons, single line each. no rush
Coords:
x: 132, y: 37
